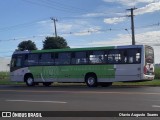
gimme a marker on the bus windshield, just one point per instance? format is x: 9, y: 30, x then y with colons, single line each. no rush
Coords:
x: 149, y: 61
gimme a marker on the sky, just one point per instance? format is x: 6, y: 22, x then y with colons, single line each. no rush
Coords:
x: 83, y: 23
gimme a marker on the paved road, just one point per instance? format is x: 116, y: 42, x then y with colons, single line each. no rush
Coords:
x: 79, y: 98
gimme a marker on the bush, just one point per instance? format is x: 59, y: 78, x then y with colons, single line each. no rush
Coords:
x: 157, y: 72
x: 4, y: 75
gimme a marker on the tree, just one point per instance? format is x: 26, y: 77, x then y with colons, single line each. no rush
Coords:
x: 27, y: 45
x: 55, y: 43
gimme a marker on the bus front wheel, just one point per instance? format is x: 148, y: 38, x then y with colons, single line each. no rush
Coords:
x: 29, y: 81
x: 91, y: 80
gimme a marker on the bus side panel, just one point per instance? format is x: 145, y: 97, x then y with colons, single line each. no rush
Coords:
x: 50, y: 73
x: 128, y: 72
x: 72, y: 73
x: 18, y: 75
x: 36, y: 71
x: 77, y: 73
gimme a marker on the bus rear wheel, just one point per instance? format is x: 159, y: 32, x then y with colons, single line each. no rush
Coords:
x: 29, y: 81
x: 91, y: 80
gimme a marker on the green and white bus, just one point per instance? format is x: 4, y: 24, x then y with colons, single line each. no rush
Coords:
x: 93, y: 66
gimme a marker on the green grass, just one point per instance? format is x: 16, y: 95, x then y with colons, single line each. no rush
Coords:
x: 4, y: 78
x: 157, y: 72
x: 8, y: 82
x: 155, y: 82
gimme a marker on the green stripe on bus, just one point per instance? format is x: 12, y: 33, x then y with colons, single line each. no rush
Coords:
x: 76, y: 71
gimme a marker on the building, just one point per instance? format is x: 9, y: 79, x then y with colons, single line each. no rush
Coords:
x: 4, y: 64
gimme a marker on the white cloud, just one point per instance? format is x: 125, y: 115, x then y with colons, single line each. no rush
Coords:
x: 149, y: 38
x: 152, y: 38
x: 76, y: 27
x: 94, y: 15
x: 131, y: 2
x: 44, y: 22
x: 121, y: 40
x: 49, y: 25
x: 88, y: 31
x: 63, y: 27
x: 152, y: 7
x: 114, y: 20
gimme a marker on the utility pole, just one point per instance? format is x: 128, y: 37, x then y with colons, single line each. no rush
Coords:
x: 132, y: 24
x: 54, y: 20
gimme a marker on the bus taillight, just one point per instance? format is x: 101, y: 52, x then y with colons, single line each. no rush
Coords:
x: 145, y: 70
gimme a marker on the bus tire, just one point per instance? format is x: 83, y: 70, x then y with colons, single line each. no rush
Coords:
x: 106, y: 84
x: 29, y: 81
x: 91, y: 80
x: 47, y: 84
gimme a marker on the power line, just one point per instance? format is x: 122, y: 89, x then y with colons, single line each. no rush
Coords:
x: 128, y: 33
x: 57, y: 3
x: 27, y: 24
x: 67, y: 33
x: 6, y: 52
x: 146, y: 26
x: 55, y: 7
x: 15, y: 39
x: 81, y: 32
x: 30, y: 24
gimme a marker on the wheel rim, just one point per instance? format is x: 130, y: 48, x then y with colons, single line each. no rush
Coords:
x: 91, y: 81
x: 30, y: 81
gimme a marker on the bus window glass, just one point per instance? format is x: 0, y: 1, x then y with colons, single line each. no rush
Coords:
x: 63, y: 58
x: 79, y: 58
x: 19, y: 62
x: 134, y: 55
x: 16, y: 61
x: 96, y: 57
x: 33, y: 59
x: 138, y: 57
x: 114, y: 56
x: 46, y: 59
x: 13, y: 62
x: 123, y: 56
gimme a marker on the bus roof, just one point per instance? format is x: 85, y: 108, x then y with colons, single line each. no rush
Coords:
x: 77, y: 49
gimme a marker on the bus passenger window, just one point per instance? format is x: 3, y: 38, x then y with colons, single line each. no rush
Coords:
x: 33, y: 59
x: 63, y: 58
x: 46, y: 59
x: 96, y: 57
x: 138, y: 57
x: 130, y: 59
x: 114, y: 56
x: 134, y: 56
x: 79, y: 58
